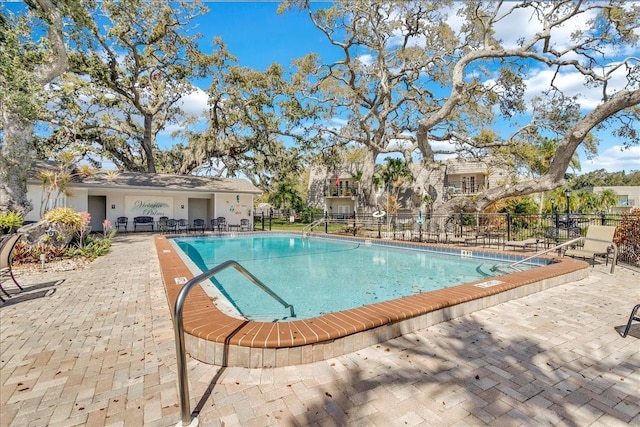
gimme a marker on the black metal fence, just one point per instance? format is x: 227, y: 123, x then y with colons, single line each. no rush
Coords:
x: 493, y: 229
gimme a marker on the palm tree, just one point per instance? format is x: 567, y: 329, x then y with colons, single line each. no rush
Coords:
x: 608, y: 198
x: 393, y: 174
x: 588, y: 201
x: 285, y: 196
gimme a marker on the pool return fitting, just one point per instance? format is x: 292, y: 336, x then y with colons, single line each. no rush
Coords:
x: 178, y: 327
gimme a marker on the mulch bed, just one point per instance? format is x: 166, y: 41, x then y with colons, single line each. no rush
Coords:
x: 67, y: 264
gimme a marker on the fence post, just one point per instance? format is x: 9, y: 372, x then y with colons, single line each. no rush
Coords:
x: 270, y: 218
x: 508, y: 226
x: 326, y: 223
x: 603, y: 219
x: 354, y: 223
x: 461, y: 221
x: 557, y: 226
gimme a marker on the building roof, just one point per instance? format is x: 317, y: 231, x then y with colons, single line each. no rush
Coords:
x: 156, y: 181
x: 462, y: 166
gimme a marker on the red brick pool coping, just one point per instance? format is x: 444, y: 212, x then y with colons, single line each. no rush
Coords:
x: 212, y: 336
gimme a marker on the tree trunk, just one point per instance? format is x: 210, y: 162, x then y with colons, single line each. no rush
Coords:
x: 368, y: 191
x: 147, y: 143
x: 16, y: 150
x: 15, y: 161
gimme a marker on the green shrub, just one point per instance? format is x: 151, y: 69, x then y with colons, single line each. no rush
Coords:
x: 66, y: 216
x: 310, y: 214
x: 93, y: 247
x: 10, y: 221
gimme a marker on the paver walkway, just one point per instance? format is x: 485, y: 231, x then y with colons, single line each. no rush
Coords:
x: 95, y: 347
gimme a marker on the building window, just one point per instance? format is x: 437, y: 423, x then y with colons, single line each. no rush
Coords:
x: 468, y: 184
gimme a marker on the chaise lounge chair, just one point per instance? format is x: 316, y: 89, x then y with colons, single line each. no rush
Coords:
x: 6, y: 250
x: 522, y: 244
x: 597, y: 242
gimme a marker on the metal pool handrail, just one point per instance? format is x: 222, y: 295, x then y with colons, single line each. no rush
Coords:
x: 178, y: 327
x: 542, y: 252
x: 309, y: 227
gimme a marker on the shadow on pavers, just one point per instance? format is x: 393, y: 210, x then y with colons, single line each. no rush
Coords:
x: 35, y: 291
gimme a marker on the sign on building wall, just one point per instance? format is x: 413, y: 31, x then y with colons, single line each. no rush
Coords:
x: 235, y: 205
x: 149, y: 206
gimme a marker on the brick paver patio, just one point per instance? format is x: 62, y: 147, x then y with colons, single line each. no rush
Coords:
x: 95, y: 347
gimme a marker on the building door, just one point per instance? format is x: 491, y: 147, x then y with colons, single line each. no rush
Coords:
x: 98, y: 211
x: 198, y: 209
x: 344, y: 211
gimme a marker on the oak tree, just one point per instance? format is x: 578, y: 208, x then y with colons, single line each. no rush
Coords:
x: 425, y: 78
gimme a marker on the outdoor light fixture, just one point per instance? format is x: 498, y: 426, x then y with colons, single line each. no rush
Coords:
x: 181, y: 206
x: 113, y: 206
x: 567, y: 194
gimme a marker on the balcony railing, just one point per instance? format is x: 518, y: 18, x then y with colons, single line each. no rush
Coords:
x: 461, y: 188
x: 341, y: 192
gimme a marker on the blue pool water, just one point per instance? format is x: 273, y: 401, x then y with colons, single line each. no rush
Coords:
x: 319, y: 276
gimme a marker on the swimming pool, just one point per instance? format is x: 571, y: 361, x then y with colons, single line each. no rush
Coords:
x: 322, y: 275
x: 212, y: 336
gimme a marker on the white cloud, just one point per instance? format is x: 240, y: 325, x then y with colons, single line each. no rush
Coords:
x: 523, y: 23
x: 613, y: 159
x: 195, y: 104
x: 366, y: 59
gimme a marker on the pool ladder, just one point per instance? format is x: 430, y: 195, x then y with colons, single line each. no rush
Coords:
x: 309, y: 228
x: 178, y: 327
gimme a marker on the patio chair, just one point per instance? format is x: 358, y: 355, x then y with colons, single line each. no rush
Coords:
x: 432, y: 233
x: 214, y: 224
x: 450, y: 234
x: 172, y: 225
x: 122, y: 221
x: 198, y: 224
x: 477, y: 237
x: 244, y: 224
x: 6, y: 258
x: 183, y: 225
x: 162, y: 224
x: 597, y: 242
x: 633, y: 317
x: 222, y: 223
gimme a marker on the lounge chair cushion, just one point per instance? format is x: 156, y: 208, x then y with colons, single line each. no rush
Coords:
x: 522, y: 244
x: 598, y: 241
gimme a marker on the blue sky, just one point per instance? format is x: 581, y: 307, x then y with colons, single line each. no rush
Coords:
x: 258, y: 36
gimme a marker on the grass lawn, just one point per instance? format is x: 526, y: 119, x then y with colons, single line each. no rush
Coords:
x: 278, y: 224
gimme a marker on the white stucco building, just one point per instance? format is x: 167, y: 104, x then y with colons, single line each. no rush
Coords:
x: 109, y: 195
